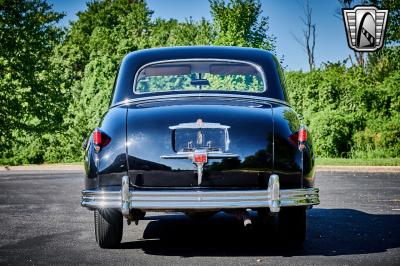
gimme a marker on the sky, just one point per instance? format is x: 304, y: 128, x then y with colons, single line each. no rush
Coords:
x: 284, y: 20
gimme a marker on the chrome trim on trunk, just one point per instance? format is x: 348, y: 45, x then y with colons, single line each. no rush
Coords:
x: 210, y: 155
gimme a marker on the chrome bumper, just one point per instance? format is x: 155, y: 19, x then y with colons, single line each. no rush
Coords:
x: 175, y: 200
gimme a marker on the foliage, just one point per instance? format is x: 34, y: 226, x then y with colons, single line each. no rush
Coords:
x: 238, y: 23
x: 30, y: 98
x: 351, y: 113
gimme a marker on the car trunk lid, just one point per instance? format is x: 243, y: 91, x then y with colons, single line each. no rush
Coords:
x: 200, y: 143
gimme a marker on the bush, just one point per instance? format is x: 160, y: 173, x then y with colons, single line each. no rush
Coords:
x: 332, y: 132
x: 350, y: 113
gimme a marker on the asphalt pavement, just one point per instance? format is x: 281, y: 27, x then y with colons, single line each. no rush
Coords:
x: 42, y: 222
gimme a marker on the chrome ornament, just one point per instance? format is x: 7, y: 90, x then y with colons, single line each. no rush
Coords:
x: 200, y: 157
x: 199, y: 138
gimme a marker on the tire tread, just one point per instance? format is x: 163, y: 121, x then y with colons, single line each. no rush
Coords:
x: 108, y: 227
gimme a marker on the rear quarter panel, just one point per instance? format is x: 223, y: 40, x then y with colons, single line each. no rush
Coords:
x: 110, y: 163
x: 288, y: 158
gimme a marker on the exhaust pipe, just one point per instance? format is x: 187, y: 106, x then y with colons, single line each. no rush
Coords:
x: 247, y: 224
x: 244, y: 216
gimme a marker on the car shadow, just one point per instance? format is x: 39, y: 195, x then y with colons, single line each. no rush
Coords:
x: 331, y: 232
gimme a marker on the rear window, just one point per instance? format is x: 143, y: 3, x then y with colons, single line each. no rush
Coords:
x: 198, y: 75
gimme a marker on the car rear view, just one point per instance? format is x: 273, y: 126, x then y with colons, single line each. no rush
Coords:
x: 199, y: 130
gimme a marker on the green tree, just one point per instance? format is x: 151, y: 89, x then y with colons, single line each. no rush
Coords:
x: 89, y: 58
x: 393, y: 23
x: 29, y: 93
x: 93, y: 49
x: 239, y: 23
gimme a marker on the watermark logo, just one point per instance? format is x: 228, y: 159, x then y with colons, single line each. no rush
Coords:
x: 365, y: 27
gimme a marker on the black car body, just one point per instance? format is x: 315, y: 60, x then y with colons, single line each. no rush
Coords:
x: 199, y: 130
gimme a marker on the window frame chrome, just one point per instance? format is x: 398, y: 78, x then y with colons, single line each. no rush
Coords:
x: 256, y: 66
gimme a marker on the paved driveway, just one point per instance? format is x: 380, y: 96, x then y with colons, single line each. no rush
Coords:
x: 41, y: 222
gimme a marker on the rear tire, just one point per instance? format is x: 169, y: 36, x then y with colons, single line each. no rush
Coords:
x: 292, y: 225
x: 108, y: 225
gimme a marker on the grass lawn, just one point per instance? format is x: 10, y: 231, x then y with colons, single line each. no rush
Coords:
x: 355, y: 162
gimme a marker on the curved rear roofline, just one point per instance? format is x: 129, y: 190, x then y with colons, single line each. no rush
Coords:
x: 134, y: 61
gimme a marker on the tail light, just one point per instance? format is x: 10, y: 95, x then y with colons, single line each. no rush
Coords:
x: 302, y: 137
x: 299, y: 138
x: 100, y: 139
x: 199, y: 157
x: 302, y: 134
x: 96, y: 137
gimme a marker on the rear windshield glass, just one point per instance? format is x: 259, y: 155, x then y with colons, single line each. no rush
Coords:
x: 200, y: 75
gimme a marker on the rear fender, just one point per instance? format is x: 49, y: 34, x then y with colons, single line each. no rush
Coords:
x: 294, y: 167
x: 108, y: 165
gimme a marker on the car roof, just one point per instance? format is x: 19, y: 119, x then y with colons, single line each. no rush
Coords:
x: 133, y: 61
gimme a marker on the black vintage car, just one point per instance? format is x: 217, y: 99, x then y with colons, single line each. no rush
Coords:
x: 199, y: 130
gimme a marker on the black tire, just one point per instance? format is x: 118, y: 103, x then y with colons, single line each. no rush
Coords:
x: 292, y: 225
x: 108, y: 226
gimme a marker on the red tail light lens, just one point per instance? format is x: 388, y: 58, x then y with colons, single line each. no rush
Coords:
x: 200, y: 157
x: 302, y: 135
x: 100, y: 139
x: 299, y: 138
x: 302, y: 138
x: 97, y: 137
